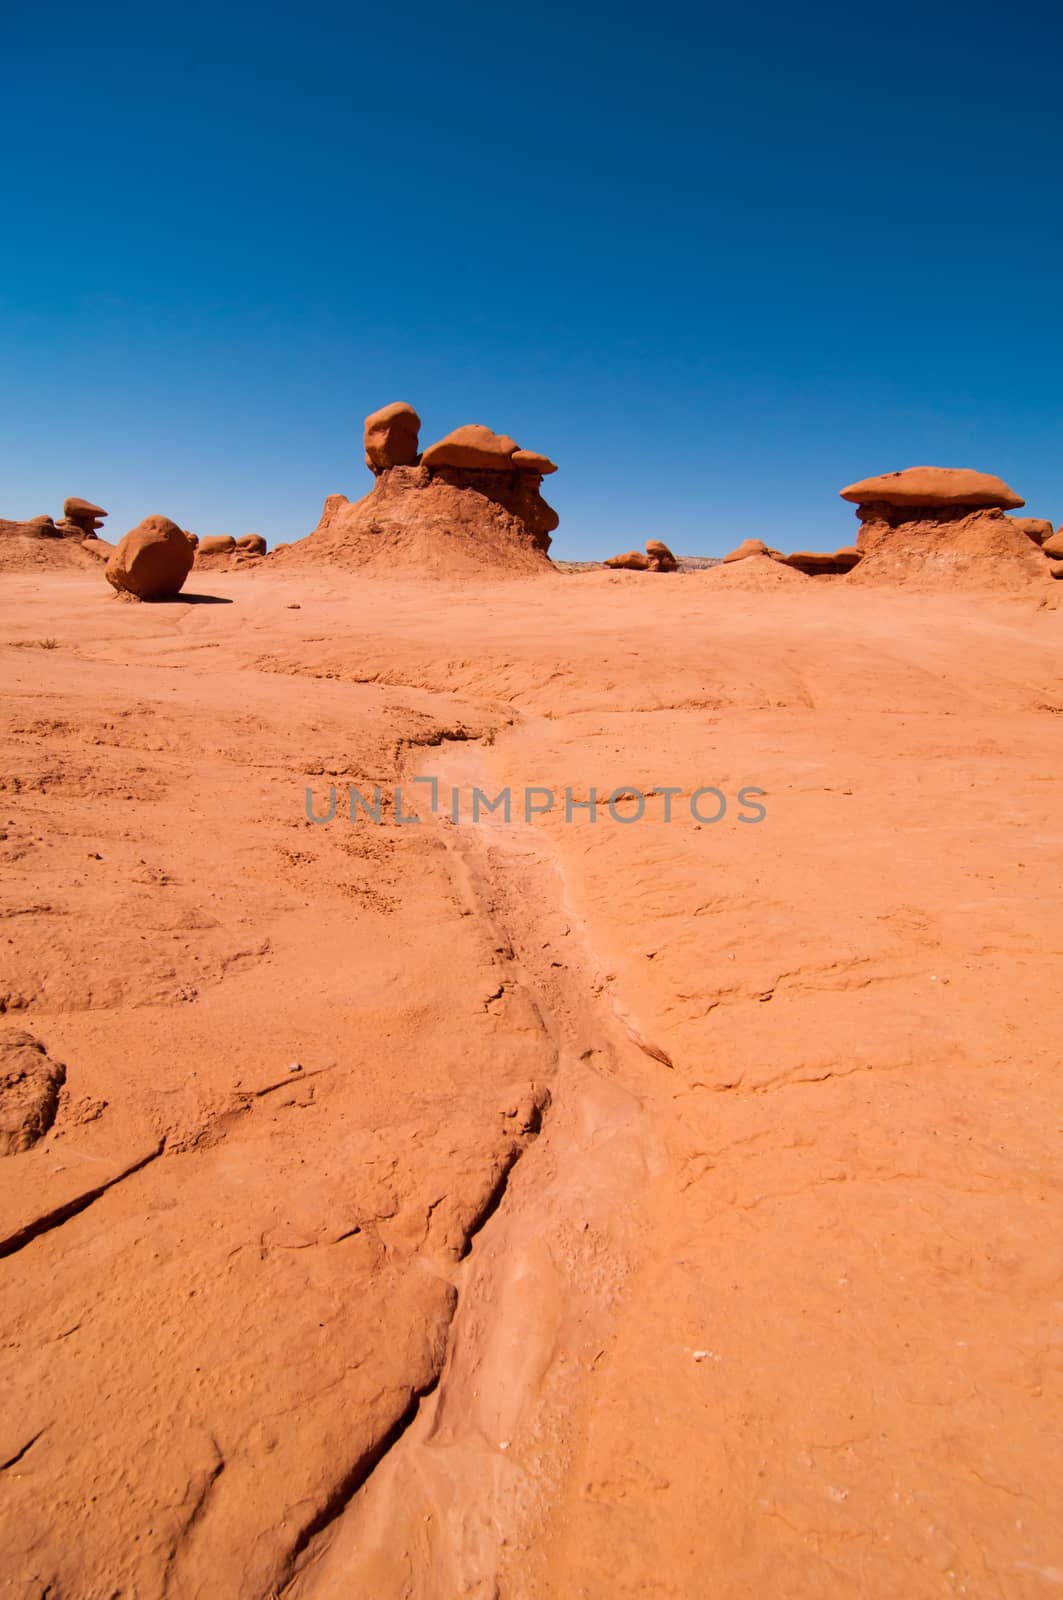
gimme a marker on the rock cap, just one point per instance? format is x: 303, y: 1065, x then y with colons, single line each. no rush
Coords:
x: 934, y: 486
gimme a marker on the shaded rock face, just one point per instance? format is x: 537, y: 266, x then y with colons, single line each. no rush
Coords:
x: 152, y: 561
x: 82, y: 519
x: 814, y: 563
x: 1036, y: 528
x: 391, y: 437
x: 30, y: 1082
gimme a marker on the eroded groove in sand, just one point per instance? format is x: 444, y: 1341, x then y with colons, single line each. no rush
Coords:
x: 434, y: 1512
x: 21, y: 1237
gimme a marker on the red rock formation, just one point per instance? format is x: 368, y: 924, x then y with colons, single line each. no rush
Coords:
x: 391, y: 437
x: 751, y: 547
x: 222, y: 545
x: 661, y: 558
x: 1053, y: 545
x: 630, y: 561
x: 30, y: 1082
x: 152, y: 561
x: 81, y: 519
x: 954, y: 489
x: 816, y: 564
x: 251, y: 544
x: 473, y: 503
x: 1035, y: 528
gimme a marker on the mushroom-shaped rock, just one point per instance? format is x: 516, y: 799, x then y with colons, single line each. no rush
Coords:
x: 934, y: 486
x: 222, y: 545
x: 474, y: 447
x: 532, y: 461
x: 83, y: 516
x: 391, y: 437
x: 751, y: 547
x: 252, y: 544
x: 630, y: 561
x: 152, y: 561
x: 661, y: 558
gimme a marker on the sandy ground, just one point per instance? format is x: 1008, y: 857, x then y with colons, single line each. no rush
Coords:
x: 659, y: 1208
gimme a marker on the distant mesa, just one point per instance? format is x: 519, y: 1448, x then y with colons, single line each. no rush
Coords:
x: 658, y: 558
x: 470, y: 503
x: 152, y: 561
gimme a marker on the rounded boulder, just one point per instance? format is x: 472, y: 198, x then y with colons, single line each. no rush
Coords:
x: 152, y: 561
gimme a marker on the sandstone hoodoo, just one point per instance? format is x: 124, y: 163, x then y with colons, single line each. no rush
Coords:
x: 661, y: 558
x: 942, y: 526
x: 152, y: 561
x: 470, y: 503
x: 251, y: 544
x: 81, y: 519
x: 222, y: 544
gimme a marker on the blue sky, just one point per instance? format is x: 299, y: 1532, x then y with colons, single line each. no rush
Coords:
x: 717, y: 262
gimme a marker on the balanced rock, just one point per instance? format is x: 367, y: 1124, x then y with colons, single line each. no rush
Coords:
x: 917, y: 493
x: 661, y: 558
x: 222, y: 545
x: 252, y: 544
x: 630, y: 561
x: 152, y: 561
x: 532, y: 461
x: 30, y: 1082
x: 391, y: 437
x: 82, y: 517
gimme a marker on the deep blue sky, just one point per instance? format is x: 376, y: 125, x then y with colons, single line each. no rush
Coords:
x: 717, y: 262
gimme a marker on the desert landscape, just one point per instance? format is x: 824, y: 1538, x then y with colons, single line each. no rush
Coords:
x: 524, y: 1079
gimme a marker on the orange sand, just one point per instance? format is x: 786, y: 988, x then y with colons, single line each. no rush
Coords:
x: 659, y: 1209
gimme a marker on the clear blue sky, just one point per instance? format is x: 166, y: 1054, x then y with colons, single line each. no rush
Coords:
x: 716, y: 261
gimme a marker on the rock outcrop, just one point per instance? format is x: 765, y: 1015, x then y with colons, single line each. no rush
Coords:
x: 469, y: 503
x: 251, y: 544
x: 391, y: 437
x: 751, y: 547
x: 1053, y: 545
x: 629, y: 561
x: 815, y: 563
x: 658, y: 558
x: 942, y: 527
x: 152, y: 561
x: 81, y: 519
x: 222, y: 544
x: 30, y: 1082
x: 1035, y: 528
x: 661, y: 558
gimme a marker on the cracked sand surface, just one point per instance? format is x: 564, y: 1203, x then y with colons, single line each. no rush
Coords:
x: 658, y: 1209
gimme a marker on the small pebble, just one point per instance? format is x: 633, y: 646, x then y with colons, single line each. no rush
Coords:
x: 295, y: 1066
